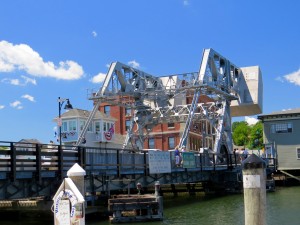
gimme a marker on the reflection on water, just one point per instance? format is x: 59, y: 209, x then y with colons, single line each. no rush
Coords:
x: 282, y: 209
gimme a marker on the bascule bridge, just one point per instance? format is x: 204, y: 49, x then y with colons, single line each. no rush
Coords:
x: 206, y: 100
x: 202, y: 102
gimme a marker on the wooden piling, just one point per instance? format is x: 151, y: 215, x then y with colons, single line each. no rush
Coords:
x: 254, y: 183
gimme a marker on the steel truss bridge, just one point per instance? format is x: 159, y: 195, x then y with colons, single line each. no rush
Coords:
x: 209, y: 97
x: 35, y: 170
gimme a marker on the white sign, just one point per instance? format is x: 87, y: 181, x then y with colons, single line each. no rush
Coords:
x: 69, y: 196
x: 59, y: 122
x: 159, y: 162
x: 63, y: 215
x: 251, y: 181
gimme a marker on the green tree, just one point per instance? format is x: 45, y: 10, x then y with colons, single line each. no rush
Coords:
x: 240, y: 133
x: 256, y: 136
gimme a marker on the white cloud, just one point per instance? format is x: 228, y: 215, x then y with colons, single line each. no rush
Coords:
x: 18, y: 82
x: 11, y: 81
x: 29, y: 97
x: 286, y: 109
x: 29, y: 80
x: 293, y: 77
x: 251, y: 120
x: 16, y: 105
x: 23, y: 57
x: 280, y: 79
x: 99, y: 78
x: 134, y: 64
x: 2, y: 107
x: 186, y: 2
x: 94, y: 33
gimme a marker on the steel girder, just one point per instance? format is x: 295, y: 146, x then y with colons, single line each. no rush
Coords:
x: 155, y: 99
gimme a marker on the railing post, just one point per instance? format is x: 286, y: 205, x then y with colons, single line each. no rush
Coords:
x: 81, y: 156
x: 79, y: 153
x: 228, y: 161
x: 60, y: 162
x: 201, y: 165
x: 38, y: 163
x: 84, y: 157
x: 13, y: 163
x: 214, y: 161
x: 118, y: 164
x: 145, y: 164
x: 235, y: 159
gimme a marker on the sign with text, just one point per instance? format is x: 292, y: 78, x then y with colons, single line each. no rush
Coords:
x: 188, y: 159
x: 63, y: 212
x: 159, y: 162
x: 251, y: 181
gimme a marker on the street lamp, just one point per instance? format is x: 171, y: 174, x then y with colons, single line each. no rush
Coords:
x: 67, y: 106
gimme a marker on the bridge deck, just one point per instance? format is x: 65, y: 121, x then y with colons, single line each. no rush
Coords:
x: 32, y: 170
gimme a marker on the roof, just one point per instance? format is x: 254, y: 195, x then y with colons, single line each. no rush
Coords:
x: 81, y: 113
x: 281, y: 113
x: 31, y: 141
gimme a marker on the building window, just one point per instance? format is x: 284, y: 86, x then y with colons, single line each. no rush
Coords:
x: 64, y: 127
x: 90, y: 127
x: 107, y: 110
x: 72, y: 125
x: 128, y: 111
x: 281, y: 128
x: 151, y: 143
x: 107, y: 126
x: 298, y: 153
x: 171, y: 125
x: 81, y: 124
x: 171, y: 141
x: 97, y: 126
x: 127, y: 125
x: 68, y: 126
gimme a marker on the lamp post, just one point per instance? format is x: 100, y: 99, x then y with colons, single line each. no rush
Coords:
x: 67, y: 106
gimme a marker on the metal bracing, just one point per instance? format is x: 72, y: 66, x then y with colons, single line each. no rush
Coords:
x: 164, y: 99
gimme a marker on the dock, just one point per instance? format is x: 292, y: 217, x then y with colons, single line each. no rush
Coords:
x: 135, y: 208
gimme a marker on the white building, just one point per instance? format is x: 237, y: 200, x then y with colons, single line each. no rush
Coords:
x: 101, y: 131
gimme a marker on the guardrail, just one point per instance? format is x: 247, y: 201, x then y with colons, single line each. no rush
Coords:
x: 37, y: 159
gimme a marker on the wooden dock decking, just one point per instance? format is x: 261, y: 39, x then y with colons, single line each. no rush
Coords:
x: 135, y: 208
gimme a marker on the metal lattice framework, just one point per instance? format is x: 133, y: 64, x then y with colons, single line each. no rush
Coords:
x: 163, y: 99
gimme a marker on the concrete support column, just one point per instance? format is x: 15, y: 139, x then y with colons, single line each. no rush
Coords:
x: 254, y: 182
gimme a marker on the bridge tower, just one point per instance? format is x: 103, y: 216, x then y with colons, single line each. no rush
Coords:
x: 208, y: 98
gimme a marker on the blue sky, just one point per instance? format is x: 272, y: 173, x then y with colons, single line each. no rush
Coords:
x: 51, y: 49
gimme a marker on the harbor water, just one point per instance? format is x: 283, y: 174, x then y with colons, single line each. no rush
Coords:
x: 282, y: 209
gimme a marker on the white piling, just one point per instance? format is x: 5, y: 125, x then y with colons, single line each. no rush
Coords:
x: 76, y: 174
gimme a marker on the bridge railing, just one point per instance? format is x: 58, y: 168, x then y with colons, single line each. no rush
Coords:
x: 21, y: 160
x: 27, y: 160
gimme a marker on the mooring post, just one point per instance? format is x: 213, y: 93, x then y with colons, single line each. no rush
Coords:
x: 159, y: 199
x: 254, y: 182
